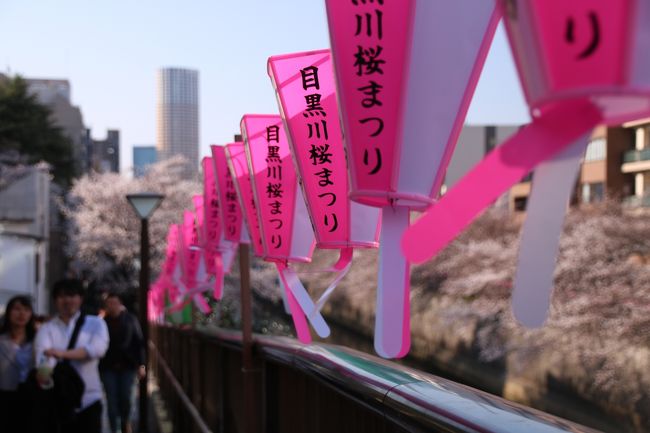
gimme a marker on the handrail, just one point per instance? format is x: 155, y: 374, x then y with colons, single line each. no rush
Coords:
x: 414, y: 400
x: 191, y: 409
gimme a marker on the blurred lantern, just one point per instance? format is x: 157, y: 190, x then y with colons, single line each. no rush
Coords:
x: 580, y: 63
x: 304, y: 83
x: 285, y: 228
x: 166, y: 285
x: 406, y: 72
x: 210, y: 273
x: 231, y: 213
x: 219, y: 252
x: 238, y: 165
x: 236, y: 156
x: 190, y: 260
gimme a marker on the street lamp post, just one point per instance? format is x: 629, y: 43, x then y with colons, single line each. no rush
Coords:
x: 144, y: 204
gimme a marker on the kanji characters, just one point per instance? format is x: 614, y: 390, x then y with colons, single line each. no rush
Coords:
x: 319, y: 154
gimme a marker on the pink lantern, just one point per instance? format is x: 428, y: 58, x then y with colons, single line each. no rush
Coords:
x: 583, y: 49
x: 218, y: 252
x: 190, y: 261
x: 316, y: 144
x: 171, y: 262
x: 165, y: 284
x: 580, y: 63
x: 406, y: 72
x: 238, y: 165
x: 231, y: 213
x: 211, y: 264
x: 285, y: 228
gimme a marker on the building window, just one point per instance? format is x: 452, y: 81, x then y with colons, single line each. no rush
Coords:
x: 490, y: 138
x: 593, y: 192
x: 520, y: 203
x: 596, y: 150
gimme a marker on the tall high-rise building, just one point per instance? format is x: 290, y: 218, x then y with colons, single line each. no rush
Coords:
x: 178, y: 116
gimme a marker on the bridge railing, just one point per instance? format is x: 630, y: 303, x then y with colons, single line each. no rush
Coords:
x: 318, y: 388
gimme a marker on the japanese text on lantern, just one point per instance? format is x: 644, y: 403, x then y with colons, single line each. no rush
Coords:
x: 274, y: 187
x: 194, y: 252
x: 211, y: 209
x: 368, y: 64
x: 232, y: 211
x: 320, y: 155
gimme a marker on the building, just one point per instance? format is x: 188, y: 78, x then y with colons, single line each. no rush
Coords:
x: 143, y: 157
x: 601, y: 174
x: 178, y: 116
x: 636, y: 161
x: 474, y: 142
x: 56, y: 95
x: 25, y: 208
x: 103, y: 156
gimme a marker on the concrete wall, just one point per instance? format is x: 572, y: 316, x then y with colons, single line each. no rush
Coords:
x: 22, y: 270
x: 471, y: 147
x: 24, y: 237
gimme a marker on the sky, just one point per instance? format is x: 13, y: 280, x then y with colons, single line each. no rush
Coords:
x: 110, y: 51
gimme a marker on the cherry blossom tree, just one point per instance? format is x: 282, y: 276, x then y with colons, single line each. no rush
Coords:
x: 103, y: 231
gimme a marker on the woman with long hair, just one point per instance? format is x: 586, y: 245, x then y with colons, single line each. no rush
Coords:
x: 16, y: 360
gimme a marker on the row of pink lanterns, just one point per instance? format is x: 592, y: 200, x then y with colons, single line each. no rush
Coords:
x: 366, y: 131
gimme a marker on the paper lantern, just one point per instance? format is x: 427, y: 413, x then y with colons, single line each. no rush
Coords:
x: 580, y: 63
x: 304, y: 83
x: 594, y: 50
x: 190, y: 260
x: 238, y: 165
x: 406, y: 72
x: 231, y: 213
x: 218, y: 250
x: 211, y: 269
x: 285, y: 228
x: 165, y: 284
x: 316, y: 144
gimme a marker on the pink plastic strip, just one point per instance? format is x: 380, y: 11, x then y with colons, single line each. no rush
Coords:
x: 219, y: 276
x: 202, y: 304
x: 299, y: 320
x: 285, y: 302
x: 553, y: 184
x: 290, y: 277
x: 341, y: 267
x: 503, y: 167
x: 392, y: 325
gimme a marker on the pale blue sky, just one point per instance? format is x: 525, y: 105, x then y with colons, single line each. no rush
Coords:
x: 110, y: 51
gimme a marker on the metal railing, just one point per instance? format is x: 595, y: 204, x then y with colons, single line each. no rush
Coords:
x: 636, y: 155
x: 318, y: 388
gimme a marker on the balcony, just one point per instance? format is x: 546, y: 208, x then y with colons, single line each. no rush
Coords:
x: 634, y: 201
x: 636, y: 161
x: 636, y: 155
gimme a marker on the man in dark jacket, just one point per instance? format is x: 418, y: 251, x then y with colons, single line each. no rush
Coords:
x: 122, y: 362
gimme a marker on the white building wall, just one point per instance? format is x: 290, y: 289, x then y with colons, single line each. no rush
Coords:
x: 22, y: 271
x: 24, y: 238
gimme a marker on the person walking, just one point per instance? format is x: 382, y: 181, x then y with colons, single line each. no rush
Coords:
x: 16, y: 360
x: 124, y: 360
x: 90, y: 337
